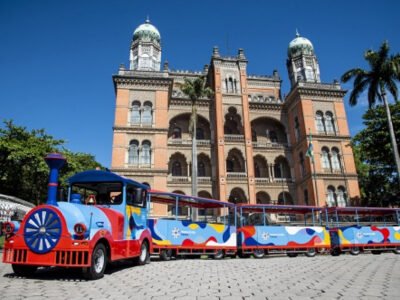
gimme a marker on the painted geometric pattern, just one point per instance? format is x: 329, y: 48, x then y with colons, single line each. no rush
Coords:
x: 369, y: 235
x: 284, y: 236
x: 191, y: 234
x: 136, y: 222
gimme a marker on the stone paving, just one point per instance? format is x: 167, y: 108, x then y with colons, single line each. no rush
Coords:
x: 365, y: 276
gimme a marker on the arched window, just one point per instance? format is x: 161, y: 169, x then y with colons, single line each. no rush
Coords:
x: 263, y: 198
x: 329, y: 122
x: 147, y: 116
x: 135, y: 113
x: 305, y: 196
x: 146, y: 153
x: 296, y: 129
x: 335, y: 159
x: 257, y: 171
x: 278, y: 170
x: 273, y: 136
x: 341, y: 197
x: 319, y: 121
x: 237, y: 195
x: 285, y: 198
x: 226, y: 85
x: 330, y: 197
x: 176, y: 169
x: 177, y: 133
x: 253, y: 135
x: 199, y: 133
x: 302, y: 167
x: 235, y: 85
x: 229, y: 165
x: 201, y: 169
x: 230, y: 84
x: 133, y: 157
x: 325, y: 158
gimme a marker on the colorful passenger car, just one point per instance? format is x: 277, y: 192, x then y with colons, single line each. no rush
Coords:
x: 358, y: 229
x: 109, y: 225
x: 270, y: 229
x: 196, y: 226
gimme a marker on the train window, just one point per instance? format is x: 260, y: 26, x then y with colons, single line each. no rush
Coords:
x: 99, y: 193
x: 135, y: 196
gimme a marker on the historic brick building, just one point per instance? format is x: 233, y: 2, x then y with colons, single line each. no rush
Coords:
x: 252, y: 143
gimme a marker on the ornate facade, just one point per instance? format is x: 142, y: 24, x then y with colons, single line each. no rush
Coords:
x: 251, y: 142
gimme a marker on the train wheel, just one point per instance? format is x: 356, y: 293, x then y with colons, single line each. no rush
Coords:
x: 291, y: 254
x: 355, y: 251
x: 376, y: 252
x: 311, y: 252
x: 219, y: 254
x: 98, y: 263
x: 166, y: 254
x: 259, y: 253
x: 335, y: 252
x: 397, y: 250
x: 24, y: 270
x: 144, y: 256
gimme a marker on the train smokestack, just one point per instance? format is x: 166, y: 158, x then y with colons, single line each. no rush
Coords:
x: 55, y: 161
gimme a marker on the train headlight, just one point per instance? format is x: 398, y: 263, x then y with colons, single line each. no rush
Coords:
x: 8, y: 228
x: 80, y: 229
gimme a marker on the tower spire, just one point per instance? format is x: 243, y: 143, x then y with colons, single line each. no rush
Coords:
x: 297, y: 33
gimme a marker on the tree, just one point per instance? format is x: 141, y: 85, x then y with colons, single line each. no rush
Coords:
x: 195, y: 90
x: 385, y: 71
x: 375, y: 169
x: 23, y: 171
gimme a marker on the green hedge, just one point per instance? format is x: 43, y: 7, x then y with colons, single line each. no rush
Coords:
x: 1, y: 241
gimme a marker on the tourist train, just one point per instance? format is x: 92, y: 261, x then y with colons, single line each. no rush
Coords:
x: 106, y: 218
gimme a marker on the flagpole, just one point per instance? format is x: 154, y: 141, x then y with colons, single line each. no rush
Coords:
x: 313, y: 173
x: 315, y: 181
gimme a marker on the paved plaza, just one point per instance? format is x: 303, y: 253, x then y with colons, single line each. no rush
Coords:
x: 323, y: 277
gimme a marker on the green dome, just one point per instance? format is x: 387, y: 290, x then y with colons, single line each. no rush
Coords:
x: 300, y: 45
x: 147, y: 32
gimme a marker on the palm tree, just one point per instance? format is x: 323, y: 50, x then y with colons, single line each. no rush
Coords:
x: 385, y: 71
x: 195, y: 89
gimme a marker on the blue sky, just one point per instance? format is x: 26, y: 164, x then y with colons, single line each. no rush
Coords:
x: 57, y: 57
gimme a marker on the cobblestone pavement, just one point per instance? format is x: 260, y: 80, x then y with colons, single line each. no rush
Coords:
x: 365, y: 276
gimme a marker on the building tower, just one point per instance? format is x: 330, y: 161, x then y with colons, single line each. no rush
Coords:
x: 145, y: 53
x: 317, y: 110
x: 302, y: 63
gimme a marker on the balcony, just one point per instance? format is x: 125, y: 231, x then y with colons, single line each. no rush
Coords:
x: 188, y: 179
x: 236, y: 176
x: 181, y: 142
x: 270, y: 145
x: 266, y: 181
x: 234, y: 138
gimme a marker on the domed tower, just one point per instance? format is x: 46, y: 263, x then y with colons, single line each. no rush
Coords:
x: 302, y: 63
x: 145, y: 53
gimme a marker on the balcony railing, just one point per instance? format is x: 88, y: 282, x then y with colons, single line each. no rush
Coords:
x: 266, y: 180
x: 234, y: 138
x: 270, y: 145
x: 188, y: 142
x: 188, y: 179
x: 236, y: 176
x: 179, y: 179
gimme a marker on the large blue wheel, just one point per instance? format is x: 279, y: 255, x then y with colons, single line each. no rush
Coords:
x: 42, y: 230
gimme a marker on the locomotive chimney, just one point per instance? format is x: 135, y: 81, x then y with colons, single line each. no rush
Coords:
x: 55, y: 161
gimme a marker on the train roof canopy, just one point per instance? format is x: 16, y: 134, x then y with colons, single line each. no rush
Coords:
x: 268, y: 208
x: 377, y: 211
x: 199, y: 202
x: 102, y: 176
